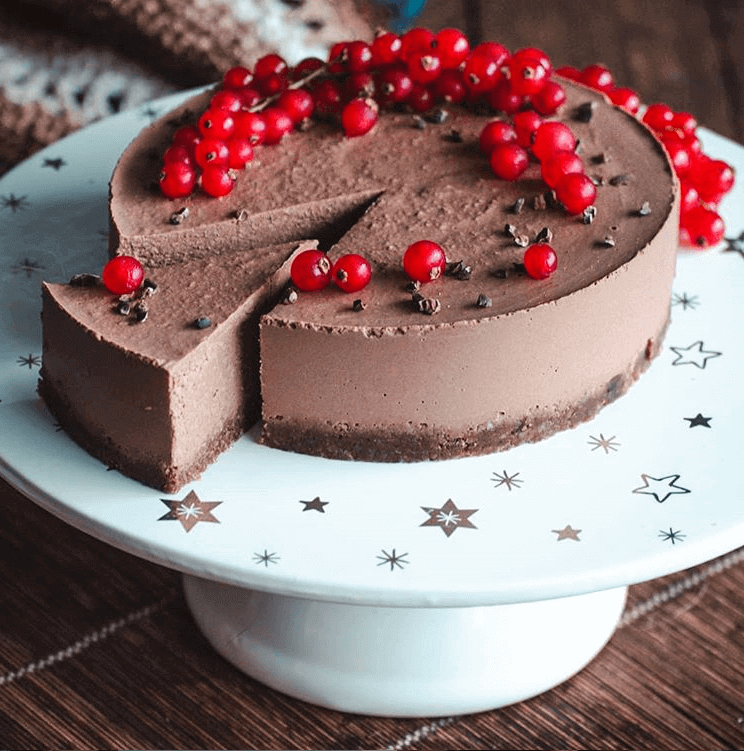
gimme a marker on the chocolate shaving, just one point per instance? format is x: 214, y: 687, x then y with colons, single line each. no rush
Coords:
x: 545, y: 235
x: 518, y: 205
x: 178, y: 217
x: 645, y: 209
x: 589, y: 214
x: 522, y: 241
x: 289, y: 296
x: 459, y: 270
x: 510, y: 230
x: 84, y: 280
x: 202, y: 322
x: 616, y: 180
x: 437, y: 116
x: 358, y: 306
x: 584, y: 112
x: 483, y: 301
x: 539, y: 202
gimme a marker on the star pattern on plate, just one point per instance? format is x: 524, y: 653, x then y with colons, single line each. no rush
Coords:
x: 190, y: 511
x: 393, y: 559
x: 698, y: 421
x: 673, y: 535
x: 735, y: 245
x: 695, y: 355
x: 449, y: 517
x: 508, y: 481
x: 14, y: 203
x: 660, y: 487
x: 607, y: 444
x: 56, y: 164
x: 315, y: 505
x: 29, y: 362
x: 266, y: 558
x: 685, y: 301
x: 567, y: 533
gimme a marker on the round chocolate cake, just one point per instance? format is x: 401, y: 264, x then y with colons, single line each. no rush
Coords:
x: 480, y: 359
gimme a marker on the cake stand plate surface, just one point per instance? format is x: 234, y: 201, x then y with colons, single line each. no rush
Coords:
x: 398, y: 589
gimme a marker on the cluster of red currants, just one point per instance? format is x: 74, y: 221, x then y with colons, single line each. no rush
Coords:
x: 417, y: 70
x: 704, y: 181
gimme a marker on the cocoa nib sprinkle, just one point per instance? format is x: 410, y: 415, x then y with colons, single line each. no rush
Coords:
x: 608, y: 241
x: 510, y: 230
x: 426, y: 305
x: 84, y: 280
x: 483, y: 301
x: 459, y: 270
x: 645, y: 209
x: 522, y: 241
x: 358, y: 306
x: 545, y: 235
x: 140, y: 312
x: 437, y: 116
x: 621, y: 179
x: 518, y: 206
x: 124, y: 307
x: 202, y: 322
x: 419, y: 122
x: 589, y: 214
x: 289, y: 296
x: 180, y: 216
x: 584, y: 112
x: 149, y: 288
x: 241, y: 215
x: 454, y: 136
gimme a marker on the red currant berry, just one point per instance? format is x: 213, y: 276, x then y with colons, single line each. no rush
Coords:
x: 705, y: 227
x: 188, y: 136
x: 424, y: 261
x: 337, y: 57
x: 177, y: 179
x: 658, y: 117
x: 417, y: 39
x: 493, y: 51
x: 452, y: 47
x: 689, y: 197
x: 526, y: 124
x: 424, y: 67
x: 626, y: 98
x: 351, y: 272
x: 226, y: 99
x: 278, y: 124
x: 550, y: 98
x: 273, y: 85
x: 211, y: 151
x: 327, y: 97
x: 685, y: 122
x: 540, y: 261
x: 494, y: 133
x: 176, y: 153
x: 713, y: 178
x: 421, y: 98
x: 216, y: 181
x: 311, y: 271
x: 240, y: 153
x: 305, y: 67
x: 481, y: 74
x: 560, y: 164
x: 569, y: 72
x: 250, y: 125
x: 386, y: 49
x: 450, y: 87
x: 394, y: 86
x: 358, y: 57
x: 216, y: 123
x: 526, y: 75
x: 679, y: 156
x: 237, y: 77
x: 534, y: 53
x: 359, y: 85
x: 297, y: 103
x: 249, y: 97
x: 268, y: 66
x: 597, y: 77
x: 359, y: 117
x: 123, y: 275
x: 508, y: 161
x: 576, y: 192
x: 503, y: 99
x: 551, y: 137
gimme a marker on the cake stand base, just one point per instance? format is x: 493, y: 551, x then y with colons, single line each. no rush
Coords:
x: 403, y: 662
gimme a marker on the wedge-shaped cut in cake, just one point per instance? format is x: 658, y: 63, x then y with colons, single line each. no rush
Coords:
x: 161, y: 398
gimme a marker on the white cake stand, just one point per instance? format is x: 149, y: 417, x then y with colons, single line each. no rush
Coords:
x: 425, y: 589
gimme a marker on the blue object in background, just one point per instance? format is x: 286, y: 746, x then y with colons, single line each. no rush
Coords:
x: 403, y: 12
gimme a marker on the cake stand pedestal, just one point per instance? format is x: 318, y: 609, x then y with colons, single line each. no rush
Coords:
x: 425, y: 589
x: 398, y: 661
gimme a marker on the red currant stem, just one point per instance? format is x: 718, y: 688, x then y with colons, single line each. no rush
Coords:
x: 298, y: 84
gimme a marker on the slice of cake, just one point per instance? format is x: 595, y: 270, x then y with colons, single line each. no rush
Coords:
x: 159, y: 385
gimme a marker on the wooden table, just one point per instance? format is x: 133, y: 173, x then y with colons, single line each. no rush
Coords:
x: 97, y: 648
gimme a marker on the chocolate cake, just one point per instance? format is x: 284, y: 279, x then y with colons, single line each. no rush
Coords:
x: 481, y: 359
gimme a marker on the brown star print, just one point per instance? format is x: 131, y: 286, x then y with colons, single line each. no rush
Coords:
x: 449, y: 517
x: 190, y: 511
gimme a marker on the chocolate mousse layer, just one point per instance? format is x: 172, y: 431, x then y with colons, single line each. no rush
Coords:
x: 157, y: 386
